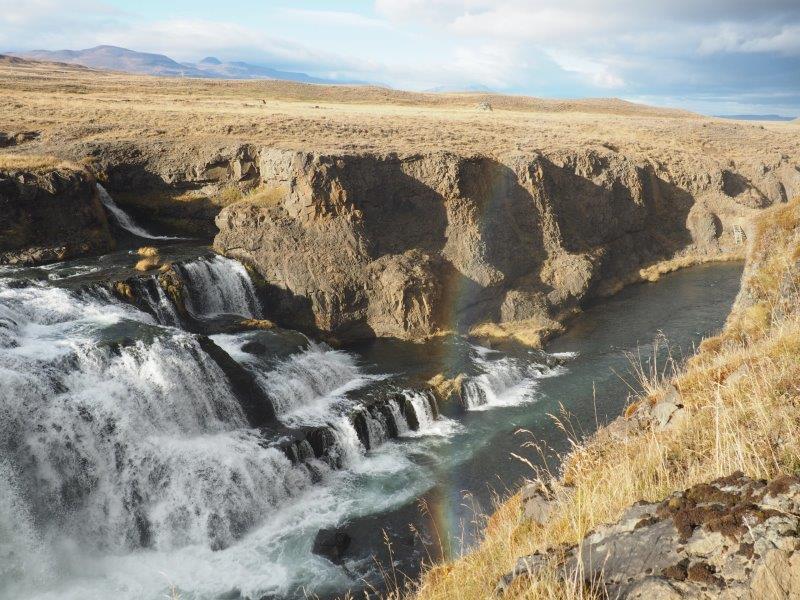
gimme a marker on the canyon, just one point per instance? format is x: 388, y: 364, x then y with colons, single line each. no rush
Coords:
x: 249, y: 322
x: 502, y: 222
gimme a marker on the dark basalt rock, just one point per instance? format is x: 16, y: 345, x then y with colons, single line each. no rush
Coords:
x: 332, y: 544
x: 254, y: 348
x: 50, y: 216
x: 256, y: 405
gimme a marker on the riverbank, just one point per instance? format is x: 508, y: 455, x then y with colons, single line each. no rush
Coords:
x: 739, y: 394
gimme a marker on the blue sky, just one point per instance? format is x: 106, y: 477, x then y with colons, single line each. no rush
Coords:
x: 713, y: 56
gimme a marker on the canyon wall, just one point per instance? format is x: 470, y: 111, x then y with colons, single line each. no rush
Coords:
x: 363, y: 245
x: 50, y: 215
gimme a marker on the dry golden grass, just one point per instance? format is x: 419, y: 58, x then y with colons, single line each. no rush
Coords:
x: 68, y: 105
x: 147, y: 264
x: 654, y: 272
x: 742, y: 392
x: 266, y: 195
x: 34, y: 163
x: 147, y: 251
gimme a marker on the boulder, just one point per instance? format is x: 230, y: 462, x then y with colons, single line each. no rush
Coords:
x: 540, y: 499
x: 332, y: 544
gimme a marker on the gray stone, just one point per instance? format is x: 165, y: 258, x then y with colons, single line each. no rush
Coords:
x: 734, y: 538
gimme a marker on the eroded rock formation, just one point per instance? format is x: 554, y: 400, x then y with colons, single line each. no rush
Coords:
x: 49, y: 216
x: 387, y: 245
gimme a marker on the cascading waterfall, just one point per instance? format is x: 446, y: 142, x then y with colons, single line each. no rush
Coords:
x: 122, y: 446
x: 23, y: 554
x: 422, y: 409
x: 303, y: 386
x: 504, y: 381
x: 311, y: 388
x: 217, y: 286
x: 125, y: 220
x: 118, y: 434
x: 149, y: 291
x: 399, y: 418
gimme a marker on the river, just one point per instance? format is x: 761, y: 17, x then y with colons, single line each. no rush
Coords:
x: 132, y: 463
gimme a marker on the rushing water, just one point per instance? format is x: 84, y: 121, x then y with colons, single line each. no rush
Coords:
x: 124, y: 220
x: 137, y: 457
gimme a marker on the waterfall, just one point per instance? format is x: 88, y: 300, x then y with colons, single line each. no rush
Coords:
x: 400, y: 420
x: 348, y: 447
x: 125, y: 220
x: 504, y: 381
x: 218, y: 286
x: 23, y: 555
x: 377, y: 428
x: 127, y: 444
x: 303, y: 385
x: 422, y: 409
x: 149, y: 291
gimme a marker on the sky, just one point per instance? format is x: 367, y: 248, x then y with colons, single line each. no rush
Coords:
x: 712, y: 56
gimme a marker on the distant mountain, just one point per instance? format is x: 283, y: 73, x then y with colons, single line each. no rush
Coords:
x: 145, y: 63
x: 756, y: 117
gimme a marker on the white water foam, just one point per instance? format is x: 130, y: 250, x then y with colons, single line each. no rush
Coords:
x: 429, y: 424
x: 121, y: 446
x: 24, y: 557
x: 156, y: 298
x: 218, y: 286
x: 306, y: 387
x: 125, y: 220
x: 504, y: 382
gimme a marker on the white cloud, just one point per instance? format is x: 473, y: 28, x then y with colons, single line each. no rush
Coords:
x: 337, y: 17
x: 557, y: 47
x: 780, y: 39
x: 598, y: 73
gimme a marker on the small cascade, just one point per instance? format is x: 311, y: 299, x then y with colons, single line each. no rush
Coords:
x: 504, y: 381
x: 399, y: 419
x: 424, y: 408
x: 150, y: 292
x: 404, y: 413
x: 217, y: 286
x: 377, y: 428
x: 301, y: 385
x: 125, y: 220
x: 348, y: 448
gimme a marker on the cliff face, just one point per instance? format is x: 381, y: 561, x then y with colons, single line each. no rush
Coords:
x: 49, y: 216
x: 406, y: 245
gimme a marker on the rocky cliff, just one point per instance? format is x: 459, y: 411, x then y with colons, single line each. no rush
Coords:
x: 48, y: 215
x: 362, y: 245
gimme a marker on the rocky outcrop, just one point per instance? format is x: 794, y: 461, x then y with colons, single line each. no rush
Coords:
x: 50, y: 216
x: 405, y: 246
x: 732, y: 538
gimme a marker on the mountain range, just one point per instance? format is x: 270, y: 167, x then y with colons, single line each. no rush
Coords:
x: 757, y: 117
x: 145, y: 63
